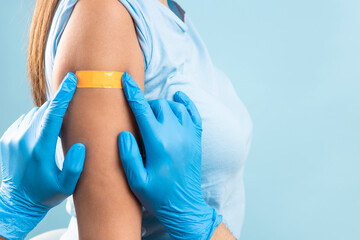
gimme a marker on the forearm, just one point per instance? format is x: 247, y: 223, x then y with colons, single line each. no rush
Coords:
x: 222, y: 233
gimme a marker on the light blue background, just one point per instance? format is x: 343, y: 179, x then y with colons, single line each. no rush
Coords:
x: 296, y: 65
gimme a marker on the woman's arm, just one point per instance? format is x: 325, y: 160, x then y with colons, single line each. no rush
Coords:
x: 222, y: 233
x: 100, y: 35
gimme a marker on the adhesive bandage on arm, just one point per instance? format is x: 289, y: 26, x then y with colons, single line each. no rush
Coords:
x: 98, y: 79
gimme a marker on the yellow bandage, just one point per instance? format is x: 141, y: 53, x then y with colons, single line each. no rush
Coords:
x: 98, y: 79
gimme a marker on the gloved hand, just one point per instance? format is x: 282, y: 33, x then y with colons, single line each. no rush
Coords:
x: 31, y: 182
x: 169, y: 185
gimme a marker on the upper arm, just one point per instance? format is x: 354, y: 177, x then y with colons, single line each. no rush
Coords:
x: 101, y: 35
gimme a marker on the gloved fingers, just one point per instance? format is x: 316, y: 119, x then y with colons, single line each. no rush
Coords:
x: 9, y: 133
x: 54, y: 114
x: 190, y: 106
x: 38, y: 115
x: 32, y: 116
x: 161, y: 109
x: 180, y: 112
x: 72, y: 168
x: 131, y: 160
x: 28, y: 117
x: 139, y: 106
x: 63, y: 96
x: 18, y: 122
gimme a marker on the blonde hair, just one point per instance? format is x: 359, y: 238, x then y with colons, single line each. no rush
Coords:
x: 39, y: 30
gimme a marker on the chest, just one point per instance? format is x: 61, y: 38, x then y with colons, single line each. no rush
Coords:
x: 187, y: 66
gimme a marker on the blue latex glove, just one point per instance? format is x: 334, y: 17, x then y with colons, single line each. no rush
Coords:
x: 31, y: 182
x: 169, y: 185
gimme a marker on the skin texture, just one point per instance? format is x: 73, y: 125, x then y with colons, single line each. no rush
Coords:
x: 100, y: 35
x: 222, y: 233
x: 165, y: 2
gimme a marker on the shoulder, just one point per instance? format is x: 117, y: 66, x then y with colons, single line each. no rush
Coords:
x: 109, y: 12
x: 100, y: 35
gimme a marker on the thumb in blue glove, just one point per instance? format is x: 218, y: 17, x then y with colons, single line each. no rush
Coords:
x: 31, y: 181
x: 169, y: 184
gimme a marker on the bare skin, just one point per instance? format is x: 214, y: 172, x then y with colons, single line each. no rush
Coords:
x: 222, y: 233
x: 100, y: 35
x: 165, y: 2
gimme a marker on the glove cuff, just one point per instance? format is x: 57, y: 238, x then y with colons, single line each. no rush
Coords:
x: 192, y: 224
x: 217, y: 219
x: 15, y: 224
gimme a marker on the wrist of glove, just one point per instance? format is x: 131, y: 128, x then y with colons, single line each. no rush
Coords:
x: 186, y: 224
x: 19, y: 216
x: 32, y: 183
